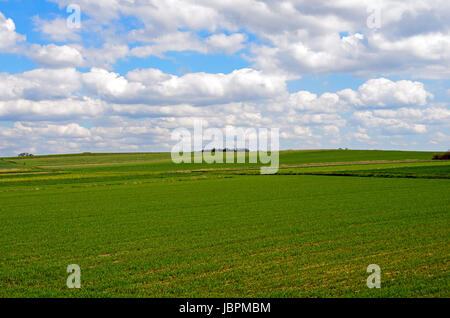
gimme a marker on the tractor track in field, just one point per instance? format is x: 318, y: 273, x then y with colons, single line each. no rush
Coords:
x: 10, y: 170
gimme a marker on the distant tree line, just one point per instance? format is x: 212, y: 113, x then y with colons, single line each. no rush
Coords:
x: 213, y: 150
x: 25, y: 154
x: 444, y: 156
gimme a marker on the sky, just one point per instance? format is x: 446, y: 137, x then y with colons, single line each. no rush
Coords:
x: 122, y: 75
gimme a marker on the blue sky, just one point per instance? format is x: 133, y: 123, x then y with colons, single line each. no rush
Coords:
x: 344, y: 75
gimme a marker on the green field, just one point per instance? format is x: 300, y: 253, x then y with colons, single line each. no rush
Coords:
x: 139, y: 225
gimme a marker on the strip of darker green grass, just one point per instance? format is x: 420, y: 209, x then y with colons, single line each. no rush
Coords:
x: 440, y: 171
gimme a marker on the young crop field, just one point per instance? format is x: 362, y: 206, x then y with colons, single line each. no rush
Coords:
x: 139, y: 225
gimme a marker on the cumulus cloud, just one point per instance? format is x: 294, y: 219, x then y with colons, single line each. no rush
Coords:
x: 326, y: 103
x: 430, y: 115
x: 279, y: 40
x: 361, y: 135
x: 9, y: 37
x: 315, y: 46
x: 390, y: 125
x: 69, y: 130
x: 303, y: 132
x: 226, y: 43
x: 40, y: 84
x: 243, y: 98
x: 105, y: 56
x: 56, y: 29
x: 55, y: 56
x: 153, y: 87
x: 63, y: 109
x: 383, y: 92
x: 177, y: 41
x: 295, y: 38
x: 188, y: 41
x: 374, y: 93
x: 422, y: 55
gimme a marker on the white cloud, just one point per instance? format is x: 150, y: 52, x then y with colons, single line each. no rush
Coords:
x: 243, y: 98
x: 177, y: 41
x: 431, y: 46
x: 153, y: 87
x: 361, y: 137
x: 8, y: 37
x: 105, y: 56
x: 398, y: 47
x: 40, y: 84
x: 226, y: 43
x: 73, y: 130
x: 383, y: 92
x: 374, y: 93
x: 430, y: 115
x: 56, y: 29
x: 391, y: 125
x: 187, y: 41
x: 101, y: 10
x: 326, y: 103
x: 63, y: 109
x: 295, y: 37
x: 281, y: 40
x: 332, y: 130
x: 303, y: 132
x: 55, y: 56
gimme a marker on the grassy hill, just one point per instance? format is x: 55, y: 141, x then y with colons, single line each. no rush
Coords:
x: 7, y: 164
